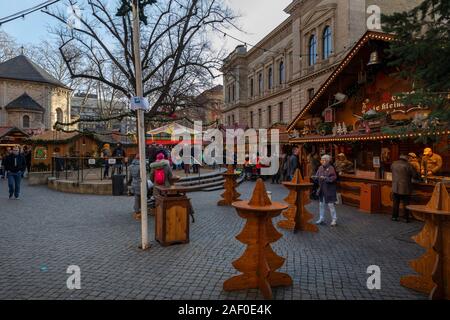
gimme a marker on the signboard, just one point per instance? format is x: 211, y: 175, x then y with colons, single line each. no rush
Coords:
x: 112, y: 161
x: 40, y: 153
x: 376, y: 162
x: 328, y: 115
x: 91, y: 162
x: 139, y: 103
x: 388, y: 104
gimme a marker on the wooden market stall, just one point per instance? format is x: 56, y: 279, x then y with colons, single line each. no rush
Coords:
x: 10, y: 137
x: 51, y: 144
x: 358, y: 119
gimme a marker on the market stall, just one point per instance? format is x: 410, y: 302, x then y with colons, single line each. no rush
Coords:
x: 358, y: 118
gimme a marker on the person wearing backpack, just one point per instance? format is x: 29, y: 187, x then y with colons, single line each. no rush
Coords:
x: 160, y: 171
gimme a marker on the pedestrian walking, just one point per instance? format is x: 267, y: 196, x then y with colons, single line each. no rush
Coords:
x: 402, y: 175
x: 326, y: 178
x: 135, y: 175
x: 292, y: 163
x: 106, y: 154
x: 15, y: 165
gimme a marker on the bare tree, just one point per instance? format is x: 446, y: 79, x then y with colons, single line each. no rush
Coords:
x: 177, y: 58
x: 8, y: 47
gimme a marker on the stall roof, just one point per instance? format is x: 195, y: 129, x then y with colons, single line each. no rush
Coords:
x: 60, y: 136
x: 8, y: 130
x: 173, y: 128
x: 369, y: 35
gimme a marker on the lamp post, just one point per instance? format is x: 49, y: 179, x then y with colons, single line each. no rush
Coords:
x: 140, y: 125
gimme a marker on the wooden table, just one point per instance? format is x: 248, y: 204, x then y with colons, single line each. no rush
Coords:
x: 433, y: 267
x: 297, y: 215
x: 230, y: 194
x: 259, y: 261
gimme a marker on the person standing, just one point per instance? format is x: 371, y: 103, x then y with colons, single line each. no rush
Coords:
x: 119, y: 154
x: 135, y: 175
x: 402, y: 175
x: 27, y: 154
x: 15, y: 165
x: 326, y: 178
x: 292, y: 163
x: 160, y: 171
x: 106, y: 154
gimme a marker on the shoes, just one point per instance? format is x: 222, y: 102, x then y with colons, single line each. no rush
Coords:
x: 10, y: 196
x: 17, y: 198
x: 333, y: 223
x: 394, y: 219
x: 320, y: 222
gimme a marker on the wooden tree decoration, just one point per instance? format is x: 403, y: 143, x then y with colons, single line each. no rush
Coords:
x: 259, y: 261
x: 297, y: 216
x: 433, y: 267
x: 230, y: 194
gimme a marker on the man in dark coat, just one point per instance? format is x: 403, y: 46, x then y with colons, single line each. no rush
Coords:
x: 402, y: 175
x: 326, y: 178
x: 119, y: 154
x: 15, y: 165
x: 292, y: 163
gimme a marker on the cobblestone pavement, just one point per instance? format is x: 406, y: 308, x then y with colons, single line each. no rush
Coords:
x: 46, y: 231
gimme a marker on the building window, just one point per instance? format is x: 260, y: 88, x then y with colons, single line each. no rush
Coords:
x: 229, y: 120
x: 327, y: 45
x: 26, y: 121
x: 310, y: 94
x: 59, y: 115
x: 259, y: 118
x: 269, y: 116
x: 251, y: 87
x: 281, y: 112
x: 312, y: 50
x: 270, y: 76
x: 251, y: 119
x: 233, y: 88
x: 229, y: 94
x: 281, y: 70
x: 260, y: 83
x: 233, y: 120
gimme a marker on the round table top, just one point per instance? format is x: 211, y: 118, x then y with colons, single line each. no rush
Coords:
x: 424, y: 209
x: 302, y: 184
x: 275, y: 206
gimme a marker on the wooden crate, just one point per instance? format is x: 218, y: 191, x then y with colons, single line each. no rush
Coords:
x: 172, y: 219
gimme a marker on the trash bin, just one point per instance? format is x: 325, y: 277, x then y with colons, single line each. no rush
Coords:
x: 118, y: 184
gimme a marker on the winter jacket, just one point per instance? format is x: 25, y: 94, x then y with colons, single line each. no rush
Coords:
x: 164, y: 164
x: 135, y: 173
x: 15, y: 163
x: 402, y: 175
x: 326, y: 178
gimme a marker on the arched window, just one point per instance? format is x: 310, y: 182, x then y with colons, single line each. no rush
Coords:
x: 59, y: 115
x: 327, y: 43
x: 270, y: 75
x: 260, y: 83
x: 281, y: 70
x: 312, y: 50
x: 26, y: 121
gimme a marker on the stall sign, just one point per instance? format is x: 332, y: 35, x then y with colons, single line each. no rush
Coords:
x: 91, y: 162
x: 376, y: 162
x: 139, y: 103
x: 40, y: 153
x: 112, y: 161
x: 389, y: 104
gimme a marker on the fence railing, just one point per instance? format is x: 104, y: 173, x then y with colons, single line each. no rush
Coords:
x: 88, y: 168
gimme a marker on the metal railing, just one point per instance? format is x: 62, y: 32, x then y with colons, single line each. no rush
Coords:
x: 88, y: 168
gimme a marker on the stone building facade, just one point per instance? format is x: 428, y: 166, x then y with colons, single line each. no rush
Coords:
x: 30, y: 98
x: 271, y: 82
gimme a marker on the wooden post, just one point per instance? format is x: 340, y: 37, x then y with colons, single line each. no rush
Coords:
x: 230, y: 194
x: 433, y: 267
x: 297, y: 215
x: 259, y: 261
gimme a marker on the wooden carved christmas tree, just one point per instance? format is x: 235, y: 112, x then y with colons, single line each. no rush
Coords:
x: 230, y: 184
x: 297, y: 216
x: 259, y: 261
x: 433, y: 267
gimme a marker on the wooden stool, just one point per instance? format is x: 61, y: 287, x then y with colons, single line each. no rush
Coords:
x: 297, y: 216
x: 434, y: 266
x: 230, y: 195
x: 259, y: 261
x: 172, y: 215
